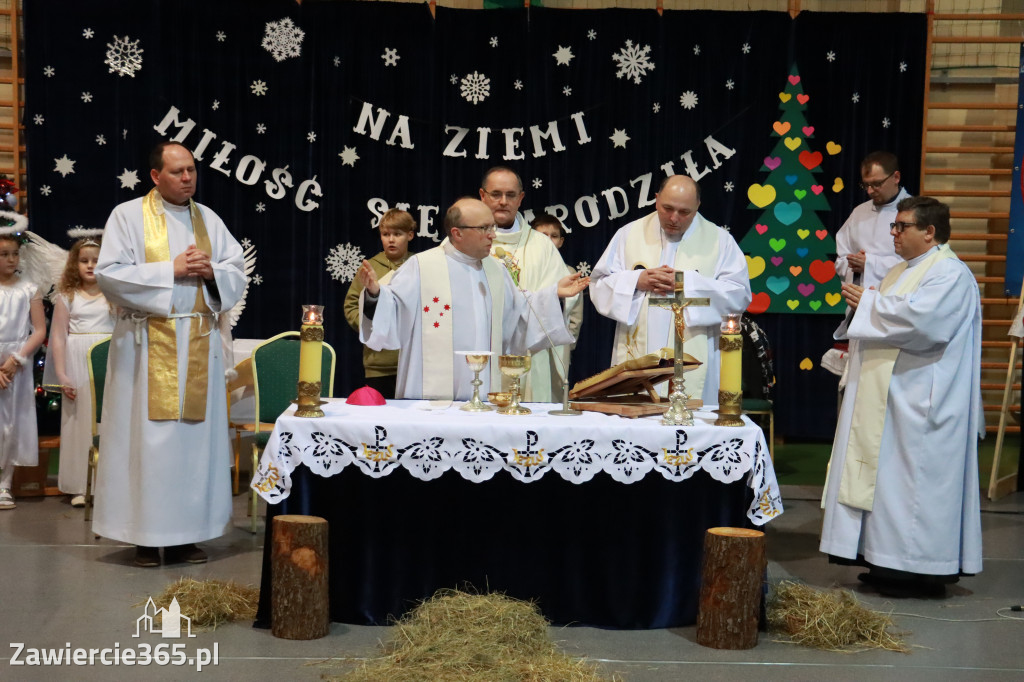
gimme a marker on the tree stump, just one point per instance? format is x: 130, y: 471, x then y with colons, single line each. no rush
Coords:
x: 300, y: 601
x: 731, y: 587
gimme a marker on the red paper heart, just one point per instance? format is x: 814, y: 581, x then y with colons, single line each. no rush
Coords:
x: 821, y: 234
x: 761, y: 229
x: 794, y: 79
x: 817, y: 189
x: 808, y: 130
x: 759, y: 303
x: 802, y: 98
x: 822, y: 270
x: 810, y: 160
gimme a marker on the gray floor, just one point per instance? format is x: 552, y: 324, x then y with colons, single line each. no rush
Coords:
x: 62, y: 588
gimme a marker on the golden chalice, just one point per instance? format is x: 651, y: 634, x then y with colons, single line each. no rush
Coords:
x: 477, y: 361
x: 514, y: 366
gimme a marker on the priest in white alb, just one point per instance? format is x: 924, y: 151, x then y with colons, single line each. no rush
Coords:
x: 902, y: 492
x: 170, y: 265
x: 455, y: 297
x: 641, y: 260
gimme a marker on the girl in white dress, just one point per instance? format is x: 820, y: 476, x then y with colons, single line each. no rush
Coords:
x: 81, y: 317
x: 22, y: 330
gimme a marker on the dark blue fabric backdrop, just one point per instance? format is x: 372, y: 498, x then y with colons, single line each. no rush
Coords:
x: 378, y: 105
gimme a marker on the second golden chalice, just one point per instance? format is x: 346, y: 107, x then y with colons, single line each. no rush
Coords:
x: 477, y: 361
x: 514, y: 366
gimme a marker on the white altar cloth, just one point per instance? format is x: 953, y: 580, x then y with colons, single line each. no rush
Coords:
x: 428, y: 438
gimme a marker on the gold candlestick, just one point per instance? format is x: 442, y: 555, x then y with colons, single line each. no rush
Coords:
x: 311, y: 339
x: 514, y: 366
x: 730, y: 383
x: 477, y: 361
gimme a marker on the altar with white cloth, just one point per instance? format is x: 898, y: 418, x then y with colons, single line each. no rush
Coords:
x: 598, y: 518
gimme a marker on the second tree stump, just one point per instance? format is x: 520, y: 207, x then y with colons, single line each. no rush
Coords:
x: 300, y: 600
x: 732, y: 577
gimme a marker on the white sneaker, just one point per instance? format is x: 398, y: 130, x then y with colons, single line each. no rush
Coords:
x: 6, y: 499
x: 78, y: 501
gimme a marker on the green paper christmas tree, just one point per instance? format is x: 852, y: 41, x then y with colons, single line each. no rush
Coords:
x: 788, y: 246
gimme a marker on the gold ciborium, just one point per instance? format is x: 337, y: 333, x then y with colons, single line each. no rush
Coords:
x: 477, y: 361
x: 514, y: 366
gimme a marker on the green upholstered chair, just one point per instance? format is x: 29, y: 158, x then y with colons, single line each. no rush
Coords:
x: 97, y: 362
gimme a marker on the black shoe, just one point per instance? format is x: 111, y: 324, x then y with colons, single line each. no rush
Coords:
x: 147, y: 557
x: 189, y: 554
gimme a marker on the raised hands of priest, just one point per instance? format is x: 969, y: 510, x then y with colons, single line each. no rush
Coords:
x: 368, y: 278
x: 856, y: 261
x: 659, y: 280
x: 570, y: 285
x: 852, y: 294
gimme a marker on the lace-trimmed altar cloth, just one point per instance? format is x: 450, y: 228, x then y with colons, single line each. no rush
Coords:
x: 428, y: 442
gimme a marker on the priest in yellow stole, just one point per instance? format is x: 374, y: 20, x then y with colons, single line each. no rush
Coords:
x: 171, y: 266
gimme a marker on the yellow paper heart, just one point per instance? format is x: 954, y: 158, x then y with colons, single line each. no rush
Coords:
x: 832, y: 299
x: 796, y: 269
x: 837, y: 186
x: 792, y: 143
x: 806, y: 364
x: 761, y: 196
x: 792, y: 304
x: 755, y: 266
x: 785, y: 96
x: 832, y: 148
x: 803, y: 234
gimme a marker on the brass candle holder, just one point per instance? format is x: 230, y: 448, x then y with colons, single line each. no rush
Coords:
x: 730, y: 383
x: 311, y: 340
x: 477, y: 361
x: 514, y: 366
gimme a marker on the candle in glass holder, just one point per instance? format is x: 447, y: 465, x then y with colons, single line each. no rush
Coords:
x: 311, y: 339
x: 730, y: 383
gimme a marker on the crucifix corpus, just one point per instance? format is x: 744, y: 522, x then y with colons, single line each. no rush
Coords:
x: 678, y: 414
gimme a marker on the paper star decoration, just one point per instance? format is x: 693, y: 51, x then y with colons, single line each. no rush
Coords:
x: 64, y: 166
x: 101, y: 140
x: 348, y: 156
x: 128, y: 179
x: 390, y: 56
x: 563, y: 56
x: 88, y: 33
x: 221, y: 36
x: 311, y: 136
x: 261, y: 207
x: 260, y: 128
x: 619, y: 138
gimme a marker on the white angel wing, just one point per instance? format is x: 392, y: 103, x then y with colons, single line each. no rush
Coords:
x: 42, y: 263
x: 250, y: 266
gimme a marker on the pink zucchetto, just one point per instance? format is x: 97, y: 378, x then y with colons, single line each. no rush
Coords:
x: 366, y: 396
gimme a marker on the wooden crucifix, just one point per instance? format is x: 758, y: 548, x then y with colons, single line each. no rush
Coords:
x: 678, y: 413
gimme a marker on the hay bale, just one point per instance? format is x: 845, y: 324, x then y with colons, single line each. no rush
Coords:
x: 833, y: 620
x: 472, y: 638
x: 209, y: 603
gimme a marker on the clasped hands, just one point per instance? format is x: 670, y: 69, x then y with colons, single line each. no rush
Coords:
x: 193, y: 261
x: 659, y: 280
x: 7, y: 372
x: 852, y: 294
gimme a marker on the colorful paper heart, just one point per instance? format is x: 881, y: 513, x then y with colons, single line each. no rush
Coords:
x: 814, y: 305
x: 822, y: 270
x: 832, y: 148
x: 808, y: 130
x: 777, y: 245
x: 755, y: 266
x: 795, y: 270
x: 792, y: 143
x: 761, y: 196
x: 788, y: 212
x: 776, y: 261
x: 832, y: 299
x: 759, y: 303
x: 837, y: 186
x: 821, y: 234
x: 817, y: 189
x: 803, y: 234
x: 805, y: 289
x: 781, y: 127
x: 810, y: 160
x: 772, y: 162
x: 806, y: 364
x: 785, y: 97
x: 803, y: 98
x: 777, y: 284
x: 799, y: 193
x: 802, y: 252
x: 794, y: 79
x: 792, y: 303
x: 791, y: 179
x: 761, y: 229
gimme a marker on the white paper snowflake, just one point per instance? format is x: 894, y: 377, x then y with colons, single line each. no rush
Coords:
x: 260, y: 128
x: 453, y: 79
x: 343, y: 261
x: 537, y: 183
x: 261, y: 207
x: 633, y: 61
x: 494, y: 41
x: 729, y: 84
x: 656, y: 107
x: 88, y: 33
x: 518, y: 85
x: 390, y: 56
x: 726, y: 228
x: 283, y: 39
x: 216, y: 105
x: 348, y: 156
x: 258, y: 88
x: 64, y: 166
x: 45, y: 190
x: 591, y: 34
x: 855, y: 98
x: 100, y: 140
x: 583, y: 267
x: 688, y: 100
x: 619, y: 138
x: 728, y: 187
x: 563, y: 55
x: 566, y: 91
x: 475, y: 87
x: 86, y: 97
x: 886, y: 122
x: 903, y: 67
x: 221, y: 36
x: 696, y: 49
x: 246, y: 243
x: 830, y: 55
x: 124, y: 57
x: 311, y: 136
x: 746, y: 48
x: 257, y: 279
x: 38, y: 118
x: 337, y: 60
x: 128, y: 179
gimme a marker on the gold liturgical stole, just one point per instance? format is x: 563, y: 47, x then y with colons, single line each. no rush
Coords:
x: 164, y: 400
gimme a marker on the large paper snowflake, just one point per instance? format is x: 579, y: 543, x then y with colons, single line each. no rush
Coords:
x: 633, y: 61
x: 64, y: 166
x: 124, y: 57
x: 475, y: 87
x: 283, y: 39
x: 343, y: 261
x: 688, y: 100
